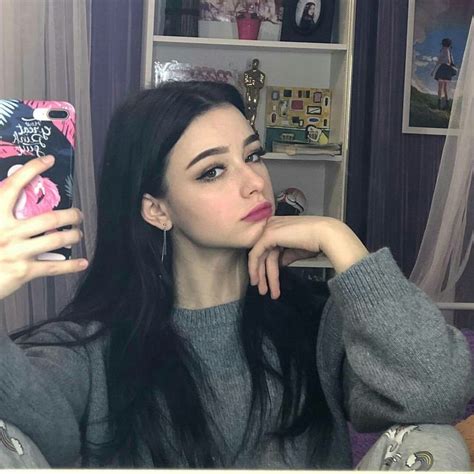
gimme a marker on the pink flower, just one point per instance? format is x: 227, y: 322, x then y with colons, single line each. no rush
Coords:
x: 8, y: 149
x: 40, y: 195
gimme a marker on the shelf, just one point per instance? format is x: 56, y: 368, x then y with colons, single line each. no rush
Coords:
x: 254, y: 44
x: 284, y: 156
x: 321, y: 261
x: 456, y: 306
x: 285, y: 63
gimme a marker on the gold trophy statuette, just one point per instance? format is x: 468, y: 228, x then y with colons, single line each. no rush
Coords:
x: 254, y: 80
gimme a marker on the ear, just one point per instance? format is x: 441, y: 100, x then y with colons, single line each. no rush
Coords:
x: 154, y: 211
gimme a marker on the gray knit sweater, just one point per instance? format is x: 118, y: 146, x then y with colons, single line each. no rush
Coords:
x: 384, y: 354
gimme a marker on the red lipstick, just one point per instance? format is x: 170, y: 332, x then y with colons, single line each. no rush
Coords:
x: 261, y: 211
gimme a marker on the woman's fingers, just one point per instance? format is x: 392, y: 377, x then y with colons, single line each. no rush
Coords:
x: 262, y: 281
x: 12, y: 186
x: 21, y: 240
x: 268, y: 273
x: 48, y: 221
x: 52, y: 268
x: 273, y: 272
x: 30, y: 248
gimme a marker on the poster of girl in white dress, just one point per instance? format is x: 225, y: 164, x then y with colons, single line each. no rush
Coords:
x: 436, y: 38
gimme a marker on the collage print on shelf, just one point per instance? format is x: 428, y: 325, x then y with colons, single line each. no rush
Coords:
x: 297, y: 115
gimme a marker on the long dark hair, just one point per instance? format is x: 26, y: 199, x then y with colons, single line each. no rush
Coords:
x: 130, y: 291
x: 446, y: 42
x: 307, y: 7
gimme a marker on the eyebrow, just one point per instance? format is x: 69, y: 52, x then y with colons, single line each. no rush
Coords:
x: 220, y: 150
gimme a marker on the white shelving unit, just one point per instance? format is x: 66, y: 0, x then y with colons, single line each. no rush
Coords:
x: 262, y: 44
x: 325, y: 65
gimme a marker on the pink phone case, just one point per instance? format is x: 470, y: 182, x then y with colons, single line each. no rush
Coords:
x: 33, y: 128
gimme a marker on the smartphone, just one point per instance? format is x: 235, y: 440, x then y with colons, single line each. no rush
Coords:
x: 34, y: 128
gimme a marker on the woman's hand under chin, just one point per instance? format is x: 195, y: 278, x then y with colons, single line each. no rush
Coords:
x: 286, y: 239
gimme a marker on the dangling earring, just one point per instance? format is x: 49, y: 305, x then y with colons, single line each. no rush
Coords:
x: 163, y: 249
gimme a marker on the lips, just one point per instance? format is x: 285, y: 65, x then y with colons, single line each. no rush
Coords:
x: 263, y: 206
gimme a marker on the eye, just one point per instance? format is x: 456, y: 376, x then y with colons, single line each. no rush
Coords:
x: 209, y: 175
x: 259, y: 153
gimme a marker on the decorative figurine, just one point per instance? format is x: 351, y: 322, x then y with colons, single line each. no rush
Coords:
x: 291, y: 202
x: 254, y: 80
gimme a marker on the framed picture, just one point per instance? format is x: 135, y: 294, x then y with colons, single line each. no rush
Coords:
x: 217, y: 18
x: 217, y: 10
x: 436, y: 38
x: 307, y: 21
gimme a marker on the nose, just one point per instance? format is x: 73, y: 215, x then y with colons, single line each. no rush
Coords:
x: 252, y: 180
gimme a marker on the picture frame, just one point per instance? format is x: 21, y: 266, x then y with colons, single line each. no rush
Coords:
x: 218, y: 18
x: 307, y: 21
x: 431, y: 25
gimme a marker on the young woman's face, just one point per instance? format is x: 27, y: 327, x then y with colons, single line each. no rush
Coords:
x: 215, y: 179
x: 311, y: 9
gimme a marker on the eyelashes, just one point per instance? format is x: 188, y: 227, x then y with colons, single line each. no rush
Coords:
x: 205, y: 176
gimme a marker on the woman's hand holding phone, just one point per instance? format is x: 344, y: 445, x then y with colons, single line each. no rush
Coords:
x: 19, y: 241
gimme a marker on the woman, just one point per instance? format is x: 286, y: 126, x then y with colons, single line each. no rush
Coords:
x: 188, y: 343
x: 445, y: 70
x: 307, y: 19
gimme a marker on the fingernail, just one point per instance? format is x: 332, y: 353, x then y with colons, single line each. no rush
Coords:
x: 47, y: 159
x: 83, y: 263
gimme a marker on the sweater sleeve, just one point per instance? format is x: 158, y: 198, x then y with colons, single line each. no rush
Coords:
x: 403, y: 363
x: 44, y: 390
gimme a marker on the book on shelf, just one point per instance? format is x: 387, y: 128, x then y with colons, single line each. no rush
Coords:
x: 294, y: 148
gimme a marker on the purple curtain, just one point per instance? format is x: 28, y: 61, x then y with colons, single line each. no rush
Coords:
x: 115, y: 62
x: 391, y: 175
